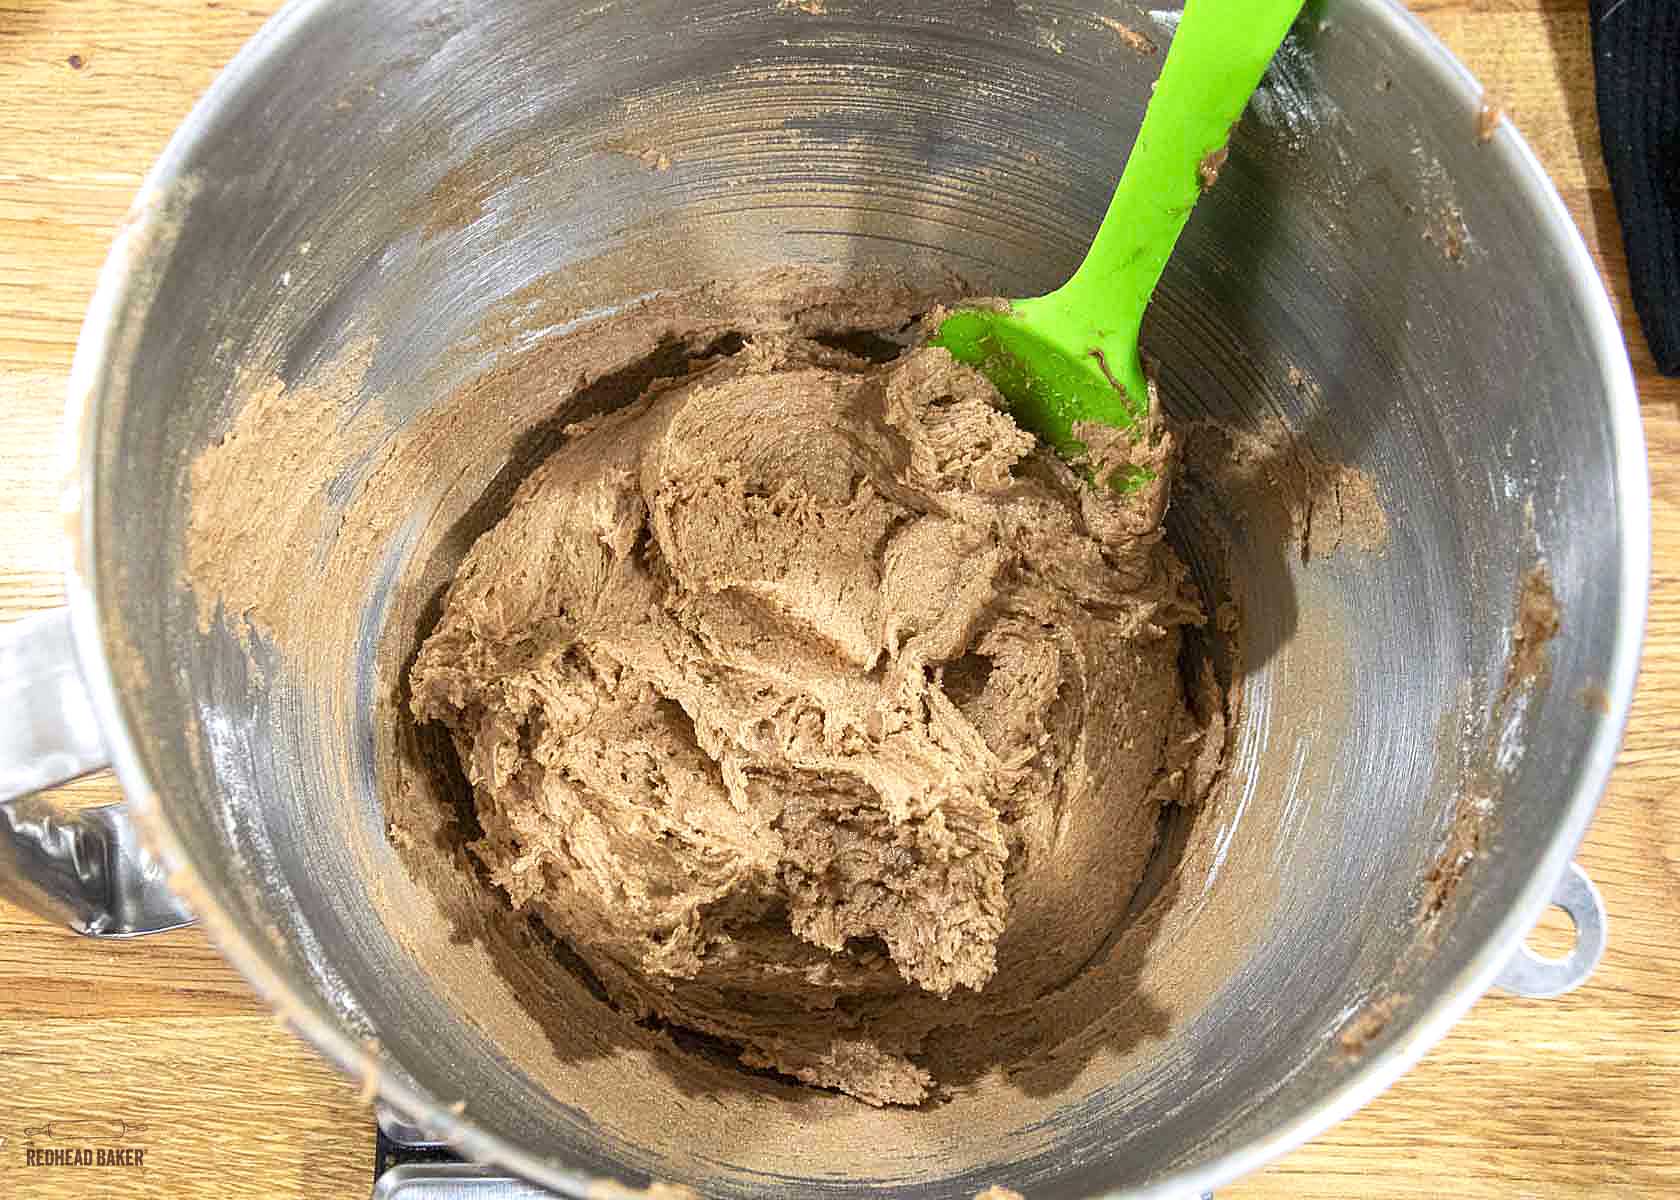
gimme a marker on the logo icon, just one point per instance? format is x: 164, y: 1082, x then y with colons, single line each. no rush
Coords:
x: 84, y: 1129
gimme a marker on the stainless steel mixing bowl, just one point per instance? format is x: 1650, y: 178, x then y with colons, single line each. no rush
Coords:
x: 401, y: 168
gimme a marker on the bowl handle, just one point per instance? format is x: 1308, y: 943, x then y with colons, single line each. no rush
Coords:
x: 86, y: 868
x: 1529, y: 974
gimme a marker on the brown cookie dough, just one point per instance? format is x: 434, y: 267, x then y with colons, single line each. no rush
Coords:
x: 819, y: 711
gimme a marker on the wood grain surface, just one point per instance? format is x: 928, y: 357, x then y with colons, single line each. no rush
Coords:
x: 1574, y: 1097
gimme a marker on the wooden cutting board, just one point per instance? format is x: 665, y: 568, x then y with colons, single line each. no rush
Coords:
x: 1573, y: 1097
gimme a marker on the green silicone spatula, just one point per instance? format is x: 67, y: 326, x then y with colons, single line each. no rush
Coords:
x: 1072, y: 356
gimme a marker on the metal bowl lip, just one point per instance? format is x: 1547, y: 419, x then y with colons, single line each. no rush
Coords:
x: 1421, y: 1028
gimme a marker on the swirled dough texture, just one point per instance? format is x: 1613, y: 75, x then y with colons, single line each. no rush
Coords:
x: 818, y: 710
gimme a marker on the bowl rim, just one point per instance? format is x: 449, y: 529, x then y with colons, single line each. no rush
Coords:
x: 1420, y: 1029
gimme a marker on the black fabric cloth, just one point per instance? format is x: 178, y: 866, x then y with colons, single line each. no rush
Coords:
x: 1636, y: 52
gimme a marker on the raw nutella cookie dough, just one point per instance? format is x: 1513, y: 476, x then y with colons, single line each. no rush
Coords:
x: 822, y: 712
